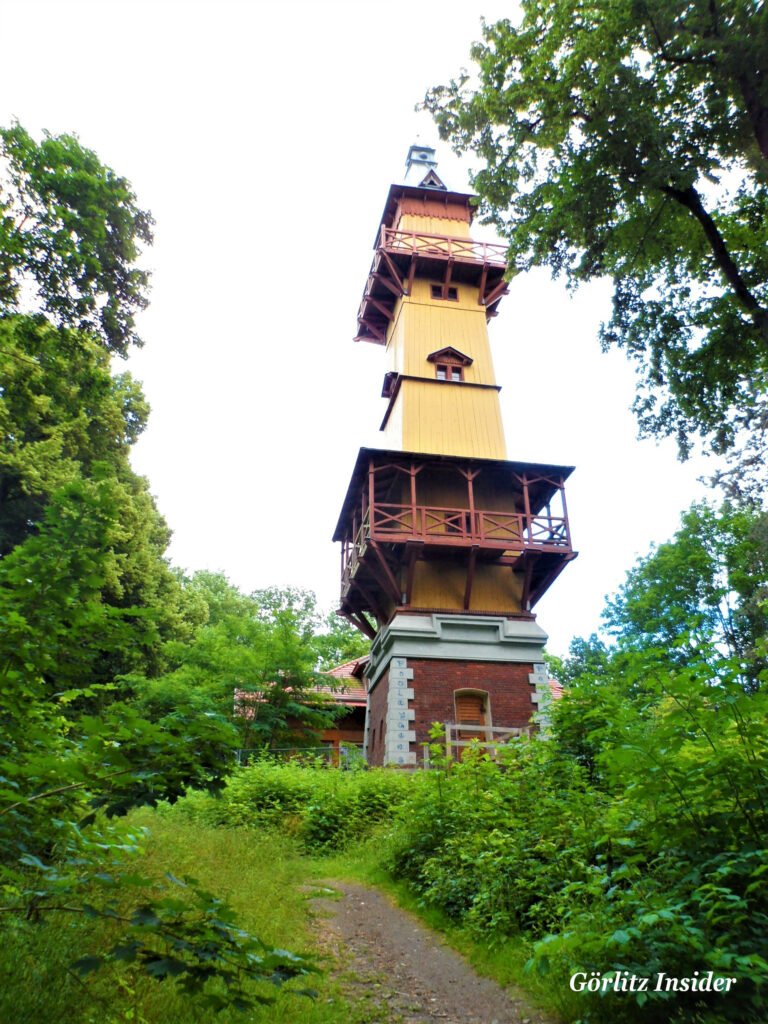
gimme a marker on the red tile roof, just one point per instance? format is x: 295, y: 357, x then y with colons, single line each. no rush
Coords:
x: 349, y: 669
x: 555, y: 689
x: 350, y: 693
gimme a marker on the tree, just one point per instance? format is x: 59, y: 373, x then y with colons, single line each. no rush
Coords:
x: 629, y: 139
x: 332, y: 639
x: 57, y: 771
x: 254, y: 662
x: 707, y: 588
x: 338, y: 642
x: 70, y: 231
x: 65, y: 418
x: 85, y: 594
x: 62, y: 411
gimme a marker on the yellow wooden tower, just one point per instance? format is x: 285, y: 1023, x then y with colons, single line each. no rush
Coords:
x: 446, y: 545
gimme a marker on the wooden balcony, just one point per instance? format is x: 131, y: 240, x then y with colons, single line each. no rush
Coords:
x: 510, y: 532
x: 383, y: 539
x: 462, y: 250
x: 459, y: 526
x: 400, y: 256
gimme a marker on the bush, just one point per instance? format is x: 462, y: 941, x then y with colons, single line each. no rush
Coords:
x: 649, y: 856
x: 489, y: 843
x: 325, y: 806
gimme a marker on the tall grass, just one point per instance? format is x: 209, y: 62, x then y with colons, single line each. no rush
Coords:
x: 262, y: 875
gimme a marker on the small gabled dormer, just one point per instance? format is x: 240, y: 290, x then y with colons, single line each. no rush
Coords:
x: 449, y: 364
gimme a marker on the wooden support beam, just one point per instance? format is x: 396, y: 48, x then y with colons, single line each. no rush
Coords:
x: 381, y: 308
x: 411, y: 272
x: 501, y: 289
x: 526, y: 507
x: 561, y: 488
x: 415, y: 549
x: 527, y: 576
x: 378, y: 334
x: 481, y: 291
x: 360, y: 622
x: 392, y: 268
x: 549, y: 579
x: 371, y: 495
x: 447, y: 278
x: 387, y: 284
x: 389, y: 576
x: 371, y: 601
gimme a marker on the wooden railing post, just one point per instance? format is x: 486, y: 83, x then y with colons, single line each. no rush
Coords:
x: 526, y: 505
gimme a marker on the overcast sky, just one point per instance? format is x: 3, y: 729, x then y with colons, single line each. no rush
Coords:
x: 263, y: 137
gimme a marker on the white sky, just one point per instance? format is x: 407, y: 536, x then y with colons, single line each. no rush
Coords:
x: 263, y: 137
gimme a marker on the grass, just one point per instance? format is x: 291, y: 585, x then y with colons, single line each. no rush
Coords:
x: 263, y: 876
x: 269, y: 881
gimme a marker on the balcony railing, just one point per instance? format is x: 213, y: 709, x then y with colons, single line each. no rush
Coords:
x: 460, y: 737
x: 458, y: 526
x: 452, y: 527
x: 442, y: 246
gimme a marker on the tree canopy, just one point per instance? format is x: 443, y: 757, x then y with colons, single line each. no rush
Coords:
x: 255, y: 662
x: 71, y: 235
x: 708, y: 586
x: 87, y: 597
x: 629, y: 139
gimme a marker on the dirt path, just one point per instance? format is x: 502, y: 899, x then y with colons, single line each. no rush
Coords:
x: 389, y: 957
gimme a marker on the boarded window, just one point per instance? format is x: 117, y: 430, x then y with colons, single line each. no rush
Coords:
x: 470, y: 709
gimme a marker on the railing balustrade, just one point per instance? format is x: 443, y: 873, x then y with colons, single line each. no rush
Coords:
x: 489, y: 738
x: 462, y: 249
x: 435, y: 523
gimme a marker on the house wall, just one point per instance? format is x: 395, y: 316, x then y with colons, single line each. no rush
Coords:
x: 440, y: 583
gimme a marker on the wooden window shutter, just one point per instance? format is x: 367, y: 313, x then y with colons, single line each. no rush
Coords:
x: 470, y: 709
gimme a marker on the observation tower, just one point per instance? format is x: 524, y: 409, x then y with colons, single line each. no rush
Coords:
x: 446, y: 545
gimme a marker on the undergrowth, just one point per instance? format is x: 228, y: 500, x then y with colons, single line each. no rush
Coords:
x: 323, y: 807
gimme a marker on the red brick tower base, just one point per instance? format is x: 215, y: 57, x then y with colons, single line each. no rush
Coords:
x: 423, y: 671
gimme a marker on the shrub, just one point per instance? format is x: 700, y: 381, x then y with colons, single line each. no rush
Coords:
x: 325, y: 806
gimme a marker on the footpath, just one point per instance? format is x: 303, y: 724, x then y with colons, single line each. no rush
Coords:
x: 391, y: 959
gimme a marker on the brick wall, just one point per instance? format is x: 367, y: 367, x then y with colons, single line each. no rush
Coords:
x: 507, y: 685
x: 377, y: 716
x: 434, y: 682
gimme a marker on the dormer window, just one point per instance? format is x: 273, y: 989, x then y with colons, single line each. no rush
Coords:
x: 452, y: 294
x: 444, y: 371
x: 449, y: 364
